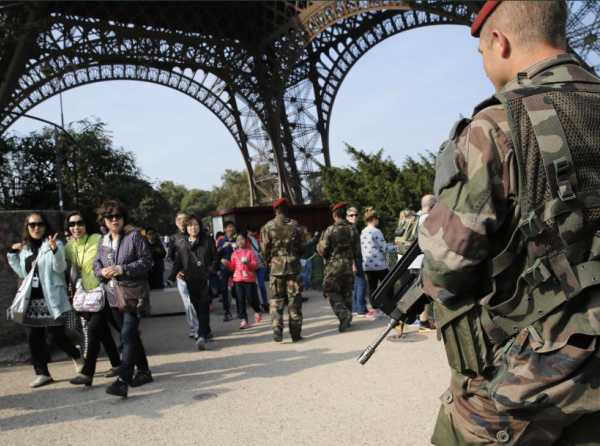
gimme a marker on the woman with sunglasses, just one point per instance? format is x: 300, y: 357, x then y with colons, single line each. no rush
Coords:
x: 122, y: 263
x: 42, y: 252
x: 80, y: 252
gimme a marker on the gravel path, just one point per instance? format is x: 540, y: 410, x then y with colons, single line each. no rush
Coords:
x: 247, y: 390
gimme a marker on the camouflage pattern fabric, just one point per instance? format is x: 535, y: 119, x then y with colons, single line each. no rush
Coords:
x: 282, y: 244
x: 285, y: 290
x: 534, y: 387
x: 340, y: 247
x: 406, y: 231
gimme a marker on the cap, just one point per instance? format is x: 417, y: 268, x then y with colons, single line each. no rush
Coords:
x: 279, y: 202
x: 339, y: 205
x: 484, y: 13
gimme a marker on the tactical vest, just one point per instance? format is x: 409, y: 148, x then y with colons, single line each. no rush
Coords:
x: 555, y: 248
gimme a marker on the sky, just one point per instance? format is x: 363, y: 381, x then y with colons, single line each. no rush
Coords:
x: 404, y: 95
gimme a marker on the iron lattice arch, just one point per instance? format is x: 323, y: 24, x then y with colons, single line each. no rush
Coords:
x: 269, y: 71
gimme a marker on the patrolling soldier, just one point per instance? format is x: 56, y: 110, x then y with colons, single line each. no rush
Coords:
x: 282, y: 243
x: 512, y: 249
x: 340, y: 247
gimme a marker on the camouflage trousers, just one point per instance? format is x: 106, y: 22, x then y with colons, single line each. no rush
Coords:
x: 285, y: 290
x: 549, y: 398
x: 338, y: 290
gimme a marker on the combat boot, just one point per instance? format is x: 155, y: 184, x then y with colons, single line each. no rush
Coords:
x: 277, y: 336
x: 345, y: 323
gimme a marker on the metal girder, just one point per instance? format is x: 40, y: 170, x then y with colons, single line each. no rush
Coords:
x: 270, y: 71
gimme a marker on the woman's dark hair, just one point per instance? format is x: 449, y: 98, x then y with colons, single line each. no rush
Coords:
x: 111, y: 207
x: 69, y: 215
x: 219, y: 234
x: 26, y: 237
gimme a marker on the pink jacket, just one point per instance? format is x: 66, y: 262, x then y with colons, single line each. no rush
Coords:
x: 243, y: 272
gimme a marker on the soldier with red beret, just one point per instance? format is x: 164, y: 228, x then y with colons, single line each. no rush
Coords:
x: 340, y: 248
x: 282, y: 244
x: 512, y: 249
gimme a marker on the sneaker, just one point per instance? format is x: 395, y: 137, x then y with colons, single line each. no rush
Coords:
x: 82, y: 380
x: 192, y: 334
x: 113, y: 372
x: 257, y: 318
x: 201, y: 343
x: 373, y: 314
x: 227, y: 317
x: 118, y: 388
x: 141, y: 378
x: 40, y: 380
x: 243, y: 324
x: 78, y: 363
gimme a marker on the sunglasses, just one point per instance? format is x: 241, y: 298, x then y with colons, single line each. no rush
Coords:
x: 113, y: 217
x: 36, y: 224
x: 79, y: 223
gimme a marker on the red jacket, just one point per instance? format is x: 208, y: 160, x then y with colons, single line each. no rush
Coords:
x: 243, y: 272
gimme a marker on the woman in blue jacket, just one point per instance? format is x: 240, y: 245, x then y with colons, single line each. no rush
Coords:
x: 48, y: 299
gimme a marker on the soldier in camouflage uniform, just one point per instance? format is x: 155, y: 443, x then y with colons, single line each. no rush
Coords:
x: 340, y: 248
x: 512, y: 250
x: 282, y: 243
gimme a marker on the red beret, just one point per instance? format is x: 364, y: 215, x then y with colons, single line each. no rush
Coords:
x: 339, y: 206
x: 484, y: 14
x: 279, y: 202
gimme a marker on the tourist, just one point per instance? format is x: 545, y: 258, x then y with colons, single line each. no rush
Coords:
x: 122, y: 263
x: 261, y: 272
x: 373, y: 249
x: 41, y: 252
x: 80, y: 253
x: 190, y: 313
x: 243, y: 264
x: 225, y: 247
x: 195, y: 258
x: 156, y: 279
x: 359, y: 304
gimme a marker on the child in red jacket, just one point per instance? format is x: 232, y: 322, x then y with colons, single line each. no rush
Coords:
x: 244, y: 264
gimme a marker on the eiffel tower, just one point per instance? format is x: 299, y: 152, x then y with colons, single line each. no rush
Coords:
x: 269, y: 70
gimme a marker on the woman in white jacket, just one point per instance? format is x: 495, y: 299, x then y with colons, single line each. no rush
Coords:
x: 48, y: 299
x: 373, y: 248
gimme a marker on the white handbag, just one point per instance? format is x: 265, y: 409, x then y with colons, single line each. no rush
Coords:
x: 20, y: 303
x: 91, y: 301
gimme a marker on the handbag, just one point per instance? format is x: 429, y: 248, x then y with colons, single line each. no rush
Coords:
x: 125, y: 297
x: 91, y: 301
x: 18, y: 308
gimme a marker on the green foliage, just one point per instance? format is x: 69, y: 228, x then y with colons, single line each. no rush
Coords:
x: 234, y: 191
x: 378, y: 182
x: 197, y: 201
x: 92, y: 170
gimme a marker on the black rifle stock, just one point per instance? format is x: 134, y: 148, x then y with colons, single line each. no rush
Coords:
x: 398, y: 304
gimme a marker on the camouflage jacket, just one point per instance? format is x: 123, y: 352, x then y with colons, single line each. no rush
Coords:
x: 340, y: 247
x: 477, y: 189
x: 475, y: 213
x: 282, y: 244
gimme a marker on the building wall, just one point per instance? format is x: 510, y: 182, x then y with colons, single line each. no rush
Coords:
x: 11, y: 226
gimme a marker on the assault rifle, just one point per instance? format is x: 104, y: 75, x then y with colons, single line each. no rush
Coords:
x: 396, y: 304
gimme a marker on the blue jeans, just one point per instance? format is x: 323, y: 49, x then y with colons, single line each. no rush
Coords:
x: 261, y: 275
x: 133, y: 349
x: 307, y: 274
x: 359, y: 305
x: 190, y: 313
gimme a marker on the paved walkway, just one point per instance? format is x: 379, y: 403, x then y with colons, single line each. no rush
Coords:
x: 248, y: 390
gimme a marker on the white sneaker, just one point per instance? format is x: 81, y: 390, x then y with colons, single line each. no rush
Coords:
x: 78, y: 363
x: 40, y: 380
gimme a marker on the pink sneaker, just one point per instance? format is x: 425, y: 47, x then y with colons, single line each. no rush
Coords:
x: 257, y: 318
x: 243, y: 324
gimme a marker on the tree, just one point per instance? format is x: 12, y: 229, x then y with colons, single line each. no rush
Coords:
x: 234, y: 191
x: 197, y: 201
x: 378, y: 182
x: 173, y: 193
x: 92, y: 171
